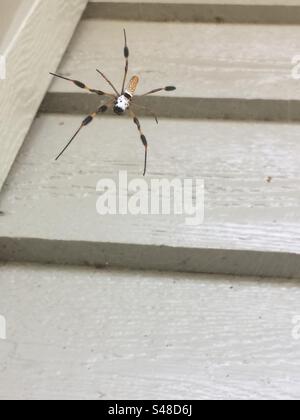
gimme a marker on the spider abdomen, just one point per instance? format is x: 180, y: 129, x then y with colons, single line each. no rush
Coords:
x: 132, y: 86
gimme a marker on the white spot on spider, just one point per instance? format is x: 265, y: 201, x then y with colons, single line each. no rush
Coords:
x: 122, y: 103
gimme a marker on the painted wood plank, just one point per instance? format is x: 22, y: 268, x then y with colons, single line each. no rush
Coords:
x: 12, y: 13
x: 225, y: 11
x: 221, y: 71
x: 36, y: 47
x: 99, y: 334
x: 239, y: 2
x: 251, y: 225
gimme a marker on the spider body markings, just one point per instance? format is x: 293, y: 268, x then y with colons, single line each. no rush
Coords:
x: 120, y: 102
x: 121, y: 105
x: 123, y: 102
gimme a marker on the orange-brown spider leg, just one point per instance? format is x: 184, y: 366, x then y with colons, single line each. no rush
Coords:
x: 82, y: 85
x: 102, y: 109
x: 167, y: 89
x: 126, y: 55
x: 146, y: 109
x: 143, y: 138
x: 109, y: 82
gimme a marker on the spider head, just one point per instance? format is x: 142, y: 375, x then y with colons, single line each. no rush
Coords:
x: 118, y: 110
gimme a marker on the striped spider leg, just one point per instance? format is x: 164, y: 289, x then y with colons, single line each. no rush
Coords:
x: 136, y: 120
x: 89, y: 118
x: 143, y: 138
x: 102, y: 109
x: 147, y: 109
x: 126, y: 55
x: 82, y: 85
x: 167, y: 89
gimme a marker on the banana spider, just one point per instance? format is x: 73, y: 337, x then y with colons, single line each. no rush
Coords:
x: 120, y: 102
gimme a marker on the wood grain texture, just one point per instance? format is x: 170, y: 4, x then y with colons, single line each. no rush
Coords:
x: 251, y: 225
x: 12, y: 13
x: 102, y: 334
x: 267, y: 12
x: 217, y: 61
x: 221, y: 71
x: 35, y: 49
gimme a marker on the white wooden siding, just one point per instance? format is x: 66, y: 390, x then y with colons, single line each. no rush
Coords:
x: 12, y: 13
x: 234, y: 75
x: 102, y: 334
x: 105, y: 333
x: 251, y: 226
x: 36, y: 47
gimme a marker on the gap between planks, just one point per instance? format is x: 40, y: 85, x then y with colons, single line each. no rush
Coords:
x: 194, y: 12
x: 147, y: 257
x: 235, y: 109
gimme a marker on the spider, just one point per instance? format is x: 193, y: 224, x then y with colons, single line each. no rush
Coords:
x: 120, y: 102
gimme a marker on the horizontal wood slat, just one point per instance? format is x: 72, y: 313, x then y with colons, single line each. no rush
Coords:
x: 234, y: 74
x: 103, y: 334
x: 252, y: 201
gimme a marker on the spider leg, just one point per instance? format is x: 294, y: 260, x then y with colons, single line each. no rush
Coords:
x: 126, y: 55
x: 167, y: 89
x: 147, y: 109
x: 143, y: 138
x: 82, y: 85
x: 109, y: 82
x: 84, y: 123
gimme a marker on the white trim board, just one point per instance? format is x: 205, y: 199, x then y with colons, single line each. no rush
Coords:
x: 35, y: 49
